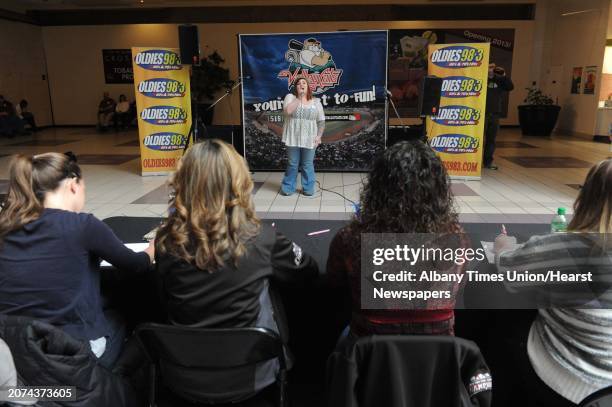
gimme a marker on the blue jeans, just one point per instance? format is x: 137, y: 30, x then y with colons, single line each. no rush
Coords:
x: 301, y: 159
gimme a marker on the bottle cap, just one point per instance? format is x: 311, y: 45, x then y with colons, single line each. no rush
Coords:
x: 561, y: 211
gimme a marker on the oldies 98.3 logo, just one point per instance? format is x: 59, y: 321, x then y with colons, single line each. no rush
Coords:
x: 457, y: 56
x: 164, y: 115
x: 165, y: 141
x: 457, y: 116
x: 454, y: 143
x: 162, y: 88
x: 460, y: 87
x: 158, y: 60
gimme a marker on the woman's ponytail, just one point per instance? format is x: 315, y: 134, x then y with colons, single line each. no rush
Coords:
x: 30, y: 178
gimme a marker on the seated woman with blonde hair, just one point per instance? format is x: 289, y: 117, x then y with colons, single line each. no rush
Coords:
x: 214, y: 257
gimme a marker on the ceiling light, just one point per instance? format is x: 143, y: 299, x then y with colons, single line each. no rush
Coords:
x: 571, y: 13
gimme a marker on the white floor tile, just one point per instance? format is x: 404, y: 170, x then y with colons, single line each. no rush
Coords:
x: 511, y: 190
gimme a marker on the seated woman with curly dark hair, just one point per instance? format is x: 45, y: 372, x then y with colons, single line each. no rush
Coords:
x: 407, y: 191
x: 215, y: 259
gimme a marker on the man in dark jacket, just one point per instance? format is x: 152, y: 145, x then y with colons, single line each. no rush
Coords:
x: 497, y: 85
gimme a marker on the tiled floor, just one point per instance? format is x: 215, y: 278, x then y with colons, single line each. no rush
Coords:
x: 535, y: 176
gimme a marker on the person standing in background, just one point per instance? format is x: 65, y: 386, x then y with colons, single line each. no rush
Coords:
x: 302, y: 132
x: 498, y: 84
x: 106, y: 111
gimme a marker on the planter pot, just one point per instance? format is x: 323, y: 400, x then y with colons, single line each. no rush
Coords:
x: 538, y: 120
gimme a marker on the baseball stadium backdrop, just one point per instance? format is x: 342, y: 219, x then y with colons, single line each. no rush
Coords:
x: 347, y: 70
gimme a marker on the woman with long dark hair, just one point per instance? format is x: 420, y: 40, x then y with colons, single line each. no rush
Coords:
x: 50, y: 253
x: 407, y: 191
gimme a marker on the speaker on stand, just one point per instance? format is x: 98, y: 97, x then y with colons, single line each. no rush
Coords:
x: 429, y: 96
x: 189, y: 46
x: 430, y: 89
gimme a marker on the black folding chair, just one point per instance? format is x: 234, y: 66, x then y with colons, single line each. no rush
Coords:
x: 601, y: 398
x: 210, y: 366
x: 408, y: 370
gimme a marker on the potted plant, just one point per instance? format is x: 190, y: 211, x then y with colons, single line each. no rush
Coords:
x: 207, y: 80
x: 538, y: 116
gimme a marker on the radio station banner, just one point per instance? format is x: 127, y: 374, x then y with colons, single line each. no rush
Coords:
x: 456, y: 133
x: 408, y: 59
x: 163, y: 102
x: 347, y: 71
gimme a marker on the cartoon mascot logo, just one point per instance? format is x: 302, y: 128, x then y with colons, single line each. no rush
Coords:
x: 309, y: 59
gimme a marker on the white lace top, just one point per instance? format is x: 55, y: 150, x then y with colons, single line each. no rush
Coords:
x: 301, y: 127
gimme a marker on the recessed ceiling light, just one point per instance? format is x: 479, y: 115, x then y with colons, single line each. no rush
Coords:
x: 571, y: 13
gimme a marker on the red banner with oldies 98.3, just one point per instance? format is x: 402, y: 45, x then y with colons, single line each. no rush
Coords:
x: 456, y: 133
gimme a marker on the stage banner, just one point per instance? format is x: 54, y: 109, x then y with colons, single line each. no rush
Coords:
x: 163, y: 102
x: 347, y: 70
x: 456, y: 133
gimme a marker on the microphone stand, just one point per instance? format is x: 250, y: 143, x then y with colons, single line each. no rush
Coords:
x: 390, y: 99
x: 227, y: 92
x: 395, y: 109
x: 193, y: 129
x: 424, y: 133
x: 196, y: 116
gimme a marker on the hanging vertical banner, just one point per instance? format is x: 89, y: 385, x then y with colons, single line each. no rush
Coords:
x: 163, y: 102
x: 408, y: 59
x: 456, y: 133
x: 347, y: 71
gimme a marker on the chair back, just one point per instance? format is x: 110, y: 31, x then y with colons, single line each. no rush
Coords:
x: 408, y: 370
x: 210, y: 365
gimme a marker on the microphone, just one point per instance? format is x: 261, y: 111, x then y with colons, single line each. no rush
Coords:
x: 245, y: 77
x: 389, y: 94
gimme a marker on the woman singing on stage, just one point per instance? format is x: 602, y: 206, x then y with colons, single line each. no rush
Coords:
x: 302, y: 131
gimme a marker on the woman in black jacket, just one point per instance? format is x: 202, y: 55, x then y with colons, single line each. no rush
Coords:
x: 215, y: 258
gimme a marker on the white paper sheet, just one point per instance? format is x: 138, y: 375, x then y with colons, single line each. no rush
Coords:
x: 137, y: 247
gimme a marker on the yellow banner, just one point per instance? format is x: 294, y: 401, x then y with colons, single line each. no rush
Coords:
x: 163, y: 102
x: 456, y: 133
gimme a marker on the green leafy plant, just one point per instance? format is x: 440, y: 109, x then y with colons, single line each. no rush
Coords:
x: 536, y: 97
x: 209, y: 78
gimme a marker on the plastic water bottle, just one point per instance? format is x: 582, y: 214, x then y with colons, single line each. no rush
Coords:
x: 559, y: 223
